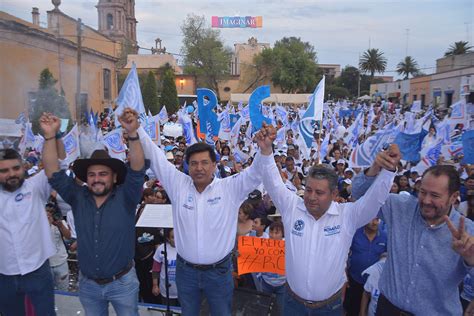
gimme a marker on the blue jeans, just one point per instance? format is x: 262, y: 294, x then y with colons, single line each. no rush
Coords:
x: 38, y: 285
x: 216, y: 284
x: 294, y: 308
x: 279, y: 292
x: 122, y: 293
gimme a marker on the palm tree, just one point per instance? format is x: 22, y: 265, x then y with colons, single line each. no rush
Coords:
x: 458, y: 48
x: 408, y: 67
x: 372, y: 61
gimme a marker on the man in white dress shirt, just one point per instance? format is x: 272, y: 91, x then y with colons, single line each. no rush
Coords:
x: 25, y: 239
x: 205, y: 211
x: 318, y: 230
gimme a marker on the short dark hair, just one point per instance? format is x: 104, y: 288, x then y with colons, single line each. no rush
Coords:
x: 199, y: 148
x: 321, y: 172
x: 277, y: 226
x: 9, y: 154
x: 454, y: 181
x: 289, y: 158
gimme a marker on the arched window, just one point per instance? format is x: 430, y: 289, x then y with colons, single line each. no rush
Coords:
x: 110, y: 21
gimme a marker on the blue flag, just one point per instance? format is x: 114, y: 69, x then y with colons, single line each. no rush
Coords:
x: 313, y: 113
x: 410, y: 145
x: 468, y: 144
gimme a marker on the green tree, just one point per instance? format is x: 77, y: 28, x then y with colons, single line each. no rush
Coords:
x: 407, y: 67
x: 204, y: 53
x: 48, y: 100
x: 373, y: 61
x: 292, y: 63
x: 334, y: 92
x: 150, y: 94
x: 349, y: 79
x: 458, y: 48
x: 169, y: 94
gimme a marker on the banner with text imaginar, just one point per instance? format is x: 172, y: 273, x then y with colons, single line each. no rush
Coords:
x: 236, y: 21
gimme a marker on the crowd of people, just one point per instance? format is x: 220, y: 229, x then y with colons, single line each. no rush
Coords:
x: 385, y: 240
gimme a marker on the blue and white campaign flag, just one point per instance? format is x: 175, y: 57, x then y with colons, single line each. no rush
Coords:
x: 313, y: 113
x: 468, y: 146
x: 240, y: 106
x: 416, y: 106
x: 130, y: 96
x: 188, y: 130
x: 28, y: 139
x: 225, y: 126
x: 233, y: 119
x: 410, y: 145
x: 38, y: 144
x: 21, y: 119
x: 370, y: 119
x: 282, y: 114
x: 114, y: 143
x: 429, y: 156
x: 458, y: 115
x: 71, y: 145
x: 163, y: 115
x: 280, y: 137
x: 235, y: 131
x: 443, y: 130
x: 364, y: 154
x: 245, y: 113
x: 152, y: 128
x: 324, y: 145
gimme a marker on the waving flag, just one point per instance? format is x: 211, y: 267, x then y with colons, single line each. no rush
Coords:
x: 21, y: 119
x: 130, y: 95
x: 410, y: 145
x: 188, y: 129
x: 245, y: 112
x: 324, y: 146
x: 163, y: 115
x: 282, y: 114
x: 224, y: 130
x: 113, y: 142
x: 364, y: 154
x: 71, y: 145
x: 468, y: 144
x: 28, y: 139
x: 313, y: 113
x: 235, y: 131
x: 429, y: 156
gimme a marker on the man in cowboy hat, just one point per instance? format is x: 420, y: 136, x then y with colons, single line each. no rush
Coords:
x: 104, y: 213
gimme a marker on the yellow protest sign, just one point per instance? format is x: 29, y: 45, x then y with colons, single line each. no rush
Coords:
x: 260, y: 255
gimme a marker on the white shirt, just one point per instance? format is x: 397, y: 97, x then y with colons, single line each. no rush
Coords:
x: 25, y: 237
x: 204, y: 223
x: 316, y: 250
x: 61, y: 254
x: 372, y: 284
x: 70, y: 223
x: 171, y: 256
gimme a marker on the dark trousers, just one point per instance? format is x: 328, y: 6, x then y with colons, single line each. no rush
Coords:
x: 38, y: 285
x: 386, y: 308
x: 143, y: 268
x: 353, y: 297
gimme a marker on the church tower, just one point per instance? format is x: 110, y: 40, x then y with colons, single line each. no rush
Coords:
x: 117, y: 20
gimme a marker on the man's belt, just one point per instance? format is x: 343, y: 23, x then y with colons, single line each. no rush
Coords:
x: 314, y: 304
x: 203, y: 267
x: 116, y: 276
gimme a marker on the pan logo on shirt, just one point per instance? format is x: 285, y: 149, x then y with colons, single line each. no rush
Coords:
x: 189, y: 203
x: 298, y: 227
x: 332, y: 230
x: 20, y: 196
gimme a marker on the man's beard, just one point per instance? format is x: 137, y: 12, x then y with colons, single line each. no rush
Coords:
x: 102, y: 193
x: 12, y: 187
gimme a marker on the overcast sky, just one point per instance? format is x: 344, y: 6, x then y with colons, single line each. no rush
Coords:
x: 339, y: 30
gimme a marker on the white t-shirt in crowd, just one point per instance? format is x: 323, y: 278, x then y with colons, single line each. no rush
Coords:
x: 171, y: 256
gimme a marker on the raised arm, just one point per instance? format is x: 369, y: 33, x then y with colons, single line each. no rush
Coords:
x: 129, y: 121
x: 367, y: 207
x: 50, y: 125
x: 264, y: 162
